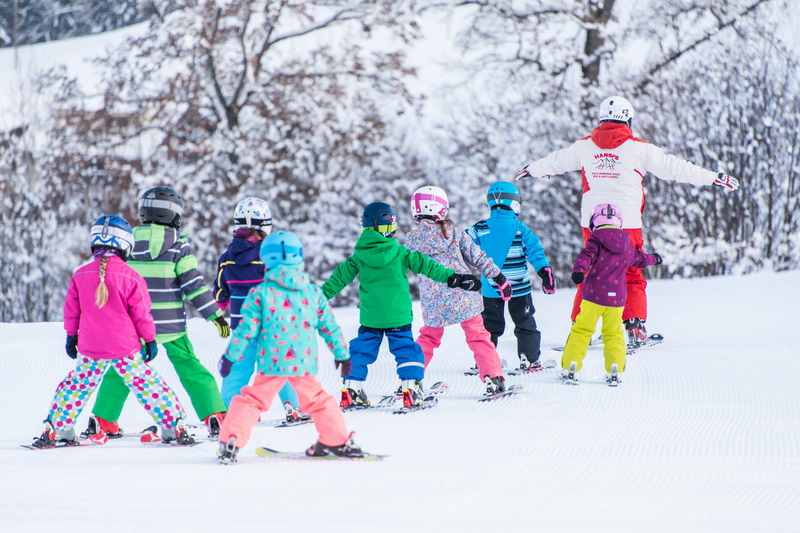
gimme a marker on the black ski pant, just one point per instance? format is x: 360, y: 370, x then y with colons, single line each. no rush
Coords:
x: 529, y: 338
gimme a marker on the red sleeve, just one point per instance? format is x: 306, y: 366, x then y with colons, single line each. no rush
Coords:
x: 72, y: 309
x: 139, y: 306
x: 587, y: 256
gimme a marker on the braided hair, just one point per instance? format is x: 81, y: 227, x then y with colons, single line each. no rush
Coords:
x: 101, y: 294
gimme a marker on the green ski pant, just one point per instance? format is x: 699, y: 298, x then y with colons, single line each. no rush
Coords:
x: 195, y: 378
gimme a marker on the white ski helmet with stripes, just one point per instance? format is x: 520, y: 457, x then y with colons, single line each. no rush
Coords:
x: 430, y: 202
x: 616, y: 108
x: 254, y: 213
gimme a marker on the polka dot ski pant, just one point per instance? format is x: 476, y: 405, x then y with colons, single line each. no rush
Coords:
x: 146, y: 384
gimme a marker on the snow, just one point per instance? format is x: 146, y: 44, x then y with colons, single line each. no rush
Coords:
x: 703, y: 435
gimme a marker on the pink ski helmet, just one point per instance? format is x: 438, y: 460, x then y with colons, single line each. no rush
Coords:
x: 605, y: 215
x: 430, y: 202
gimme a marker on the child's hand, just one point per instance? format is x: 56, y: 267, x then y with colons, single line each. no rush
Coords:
x: 150, y: 351
x: 343, y: 366
x: 224, y: 366
x: 577, y: 278
x: 72, y: 346
x: 658, y: 258
x: 548, y: 280
x: 522, y: 173
x: 503, y: 287
x: 223, y: 328
x: 467, y: 282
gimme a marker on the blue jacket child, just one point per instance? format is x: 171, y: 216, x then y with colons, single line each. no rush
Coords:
x: 239, y: 269
x: 511, y: 244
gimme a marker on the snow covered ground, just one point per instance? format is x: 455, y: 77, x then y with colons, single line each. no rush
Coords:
x: 703, y: 435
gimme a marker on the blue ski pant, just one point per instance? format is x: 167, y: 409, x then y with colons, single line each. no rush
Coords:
x: 240, y: 375
x: 408, y: 354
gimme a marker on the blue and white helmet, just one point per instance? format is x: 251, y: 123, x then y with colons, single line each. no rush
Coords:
x: 281, y: 248
x: 112, y: 231
x: 253, y: 212
x: 503, y: 194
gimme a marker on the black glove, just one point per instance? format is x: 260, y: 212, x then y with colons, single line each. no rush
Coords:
x: 150, y: 351
x: 577, y: 278
x: 223, y: 328
x: 659, y: 259
x: 468, y: 282
x: 344, y: 367
x: 224, y: 366
x: 504, y: 287
x: 72, y: 346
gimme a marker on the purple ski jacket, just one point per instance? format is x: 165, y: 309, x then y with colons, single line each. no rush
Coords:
x: 605, y: 260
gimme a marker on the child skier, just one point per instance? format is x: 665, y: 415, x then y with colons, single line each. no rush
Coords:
x: 282, y: 317
x: 435, y: 236
x: 163, y: 256
x: 510, y: 242
x: 106, y: 295
x: 601, y: 269
x: 381, y: 263
x: 240, y: 269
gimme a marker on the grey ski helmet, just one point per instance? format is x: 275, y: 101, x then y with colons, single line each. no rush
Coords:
x: 161, y: 205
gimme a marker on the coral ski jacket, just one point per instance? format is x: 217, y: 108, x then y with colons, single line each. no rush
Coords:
x: 116, y: 329
x: 613, y: 164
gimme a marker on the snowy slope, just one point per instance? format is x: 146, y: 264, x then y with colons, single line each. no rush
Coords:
x: 703, y: 435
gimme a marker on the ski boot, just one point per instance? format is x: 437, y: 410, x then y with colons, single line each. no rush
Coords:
x: 294, y: 416
x: 101, y: 431
x: 228, y: 453
x: 50, y: 438
x: 637, y: 333
x: 178, y: 434
x: 348, y: 449
x: 494, y: 385
x: 214, y: 423
x: 353, y: 396
x: 569, y: 376
x: 413, y: 396
x: 613, y: 378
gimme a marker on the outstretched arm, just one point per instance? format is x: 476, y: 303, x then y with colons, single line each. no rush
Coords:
x: 672, y: 168
x: 587, y: 257
x: 477, y: 258
x: 558, y: 162
x: 342, y: 276
x: 642, y: 259
x: 422, y: 264
x: 330, y: 331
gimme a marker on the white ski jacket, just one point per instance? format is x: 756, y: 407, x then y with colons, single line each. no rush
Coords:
x: 613, y: 164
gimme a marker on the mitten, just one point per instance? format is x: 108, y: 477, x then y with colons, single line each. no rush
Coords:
x: 223, y: 328
x: 344, y: 367
x: 72, y: 346
x: 577, y: 278
x: 150, y: 351
x: 548, y: 280
x: 467, y: 282
x: 503, y: 287
x: 224, y: 366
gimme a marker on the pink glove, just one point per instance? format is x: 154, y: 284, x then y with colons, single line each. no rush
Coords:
x: 503, y: 287
x: 548, y: 280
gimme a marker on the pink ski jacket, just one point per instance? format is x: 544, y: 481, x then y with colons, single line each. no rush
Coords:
x: 119, y: 327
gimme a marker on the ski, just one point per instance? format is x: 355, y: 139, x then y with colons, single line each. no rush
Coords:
x: 87, y: 443
x: 653, y: 340
x: 429, y: 402
x: 388, y: 400
x: 510, y: 391
x: 269, y: 453
x: 287, y: 424
x: 473, y: 370
x: 58, y: 445
x: 547, y: 364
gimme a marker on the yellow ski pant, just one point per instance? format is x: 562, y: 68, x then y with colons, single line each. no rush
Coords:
x: 581, y: 335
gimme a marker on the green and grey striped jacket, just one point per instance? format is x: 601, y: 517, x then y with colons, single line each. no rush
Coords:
x: 165, y: 260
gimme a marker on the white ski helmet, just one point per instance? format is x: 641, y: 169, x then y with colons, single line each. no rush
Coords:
x: 254, y: 213
x: 616, y: 108
x: 430, y: 202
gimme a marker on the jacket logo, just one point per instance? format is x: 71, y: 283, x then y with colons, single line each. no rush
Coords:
x: 605, y: 165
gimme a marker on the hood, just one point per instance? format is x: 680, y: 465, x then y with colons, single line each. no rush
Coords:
x: 612, y: 239
x: 428, y: 238
x: 609, y: 135
x: 375, y: 250
x: 158, y: 238
x: 288, y: 277
x: 244, y: 251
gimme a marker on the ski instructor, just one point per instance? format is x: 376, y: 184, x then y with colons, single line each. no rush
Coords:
x: 613, y: 163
